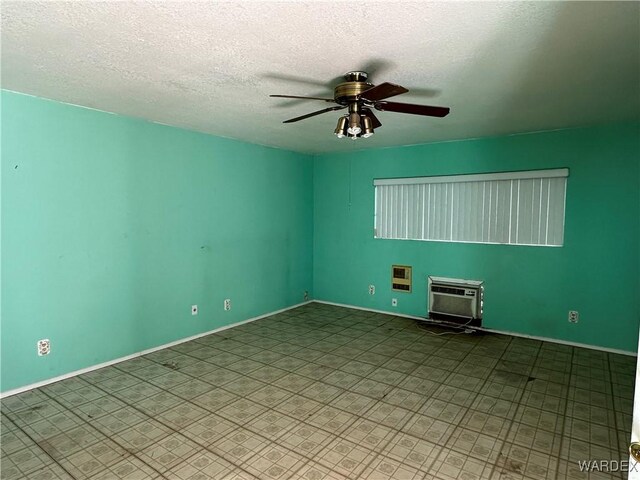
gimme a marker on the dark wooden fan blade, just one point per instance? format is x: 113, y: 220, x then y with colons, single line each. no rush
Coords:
x: 375, y: 123
x: 313, y: 114
x: 426, y: 110
x: 303, y: 98
x: 384, y: 90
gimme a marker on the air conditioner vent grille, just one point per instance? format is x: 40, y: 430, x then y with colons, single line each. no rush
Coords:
x: 460, y: 306
x: 450, y: 290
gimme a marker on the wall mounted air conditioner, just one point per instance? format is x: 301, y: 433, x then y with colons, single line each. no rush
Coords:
x: 455, y: 300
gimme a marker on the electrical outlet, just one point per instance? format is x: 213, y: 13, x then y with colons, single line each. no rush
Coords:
x: 306, y: 296
x: 44, y: 347
x: 227, y: 304
x: 194, y: 309
x: 372, y: 289
x: 574, y: 316
x: 394, y: 302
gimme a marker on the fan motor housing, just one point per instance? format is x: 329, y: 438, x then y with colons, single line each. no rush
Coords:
x: 349, y: 91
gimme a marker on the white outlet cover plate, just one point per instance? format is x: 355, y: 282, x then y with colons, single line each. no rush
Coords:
x: 44, y: 347
x: 194, y: 309
x: 394, y: 302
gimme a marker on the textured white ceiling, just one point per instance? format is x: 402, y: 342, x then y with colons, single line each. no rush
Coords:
x: 503, y: 67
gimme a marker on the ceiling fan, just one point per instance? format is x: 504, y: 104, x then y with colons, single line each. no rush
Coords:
x: 360, y: 96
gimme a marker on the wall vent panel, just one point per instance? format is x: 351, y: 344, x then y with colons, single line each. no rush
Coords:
x: 401, y: 278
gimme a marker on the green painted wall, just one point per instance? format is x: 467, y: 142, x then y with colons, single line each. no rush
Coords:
x: 113, y: 227
x: 528, y: 290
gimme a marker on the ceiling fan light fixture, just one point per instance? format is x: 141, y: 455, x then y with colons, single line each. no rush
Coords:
x: 361, y: 97
x: 367, y: 127
x: 354, y: 124
x: 341, y: 128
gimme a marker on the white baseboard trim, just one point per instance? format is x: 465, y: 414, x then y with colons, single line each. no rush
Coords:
x: 385, y: 312
x: 491, y: 330
x: 75, y: 373
x: 561, y: 342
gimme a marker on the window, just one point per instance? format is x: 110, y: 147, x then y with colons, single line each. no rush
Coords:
x: 519, y: 208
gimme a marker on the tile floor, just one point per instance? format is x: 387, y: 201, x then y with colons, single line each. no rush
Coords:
x: 323, y: 392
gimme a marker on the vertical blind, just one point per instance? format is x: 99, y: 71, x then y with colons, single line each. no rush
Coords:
x: 521, y: 208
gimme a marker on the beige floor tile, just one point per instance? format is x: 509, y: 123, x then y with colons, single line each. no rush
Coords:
x: 452, y: 465
x: 271, y: 424
x: 239, y: 446
x: 274, y: 462
x: 384, y: 468
x: 306, y: 439
x: 516, y: 462
x: 128, y: 468
x: 412, y: 451
x: 345, y: 457
x: 428, y: 428
x: 315, y: 471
